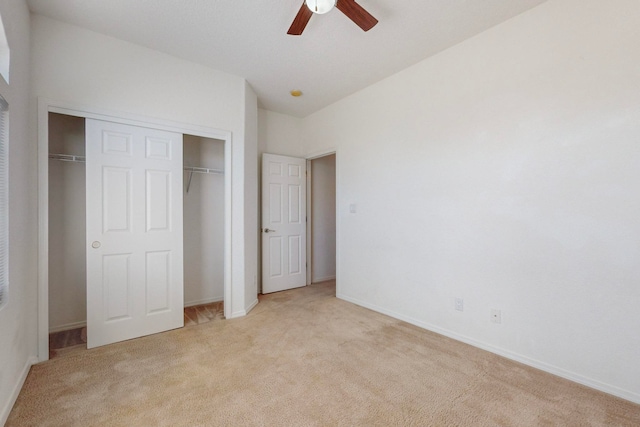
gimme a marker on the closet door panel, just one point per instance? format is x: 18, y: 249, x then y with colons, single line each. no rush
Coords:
x: 116, y: 277
x: 158, y: 201
x: 158, y: 281
x: 158, y: 148
x: 134, y: 232
x: 117, y: 143
x: 116, y: 203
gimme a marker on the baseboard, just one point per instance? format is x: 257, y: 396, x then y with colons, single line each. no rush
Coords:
x: 252, y: 306
x: 204, y: 301
x: 6, y: 410
x: 543, y: 366
x: 244, y: 312
x: 323, y: 279
x: 68, y: 326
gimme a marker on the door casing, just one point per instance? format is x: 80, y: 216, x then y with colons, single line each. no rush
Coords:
x: 309, y: 158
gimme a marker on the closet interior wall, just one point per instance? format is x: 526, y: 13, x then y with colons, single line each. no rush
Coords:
x: 67, y: 225
x: 203, y: 221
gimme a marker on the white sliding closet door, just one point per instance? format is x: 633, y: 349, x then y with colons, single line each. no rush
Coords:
x: 134, y: 232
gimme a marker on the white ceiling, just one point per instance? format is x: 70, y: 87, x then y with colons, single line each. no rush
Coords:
x: 332, y: 59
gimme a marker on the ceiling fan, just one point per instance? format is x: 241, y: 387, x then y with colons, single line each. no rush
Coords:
x: 353, y: 10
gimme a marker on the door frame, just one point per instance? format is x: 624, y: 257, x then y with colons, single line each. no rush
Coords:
x: 46, y: 106
x: 309, y: 158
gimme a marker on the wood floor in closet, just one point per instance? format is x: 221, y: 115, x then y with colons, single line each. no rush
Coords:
x: 194, y: 315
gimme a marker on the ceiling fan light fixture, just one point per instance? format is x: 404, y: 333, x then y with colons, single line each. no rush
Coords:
x: 320, y: 6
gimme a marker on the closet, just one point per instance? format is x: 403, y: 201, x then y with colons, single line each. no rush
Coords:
x: 67, y: 223
x: 203, y: 222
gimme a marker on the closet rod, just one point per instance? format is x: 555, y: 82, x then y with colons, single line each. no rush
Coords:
x: 67, y: 157
x: 203, y: 170
x: 82, y: 159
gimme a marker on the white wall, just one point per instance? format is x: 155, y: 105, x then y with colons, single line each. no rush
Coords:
x: 505, y: 171
x: 18, y: 317
x: 280, y: 134
x: 323, y: 218
x: 86, y: 68
x: 67, y: 225
x: 203, y: 222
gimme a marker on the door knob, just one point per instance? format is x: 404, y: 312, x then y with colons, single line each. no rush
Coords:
x: 266, y: 230
x: 95, y: 245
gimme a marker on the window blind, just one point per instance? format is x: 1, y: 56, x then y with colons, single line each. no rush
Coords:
x: 4, y: 198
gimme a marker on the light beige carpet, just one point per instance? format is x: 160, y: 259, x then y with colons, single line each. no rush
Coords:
x: 304, y: 358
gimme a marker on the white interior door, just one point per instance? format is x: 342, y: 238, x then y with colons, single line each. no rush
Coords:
x: 134, y: 232
x: 284, y: 209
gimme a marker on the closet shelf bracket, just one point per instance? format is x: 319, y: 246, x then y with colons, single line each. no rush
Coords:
x: 193, y: 170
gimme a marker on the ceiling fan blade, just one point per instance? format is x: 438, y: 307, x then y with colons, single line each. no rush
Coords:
x: 300, y: 21
x: 357, y: 14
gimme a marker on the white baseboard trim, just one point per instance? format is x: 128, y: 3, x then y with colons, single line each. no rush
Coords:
x: 560, y: 372
x: 244, y: 312
x: 6, y: 410
x: 68, y: 326
x: 252, y: 306
x: 204, y: 301
x: 323, y: 279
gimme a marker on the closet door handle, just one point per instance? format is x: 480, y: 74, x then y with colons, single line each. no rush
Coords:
x: 266, y: 230
x: 95, y: 245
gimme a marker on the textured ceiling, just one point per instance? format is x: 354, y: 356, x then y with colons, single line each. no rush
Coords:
x: 332, y: 59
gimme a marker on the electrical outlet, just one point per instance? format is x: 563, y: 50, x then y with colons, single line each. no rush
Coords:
x: 496, y: 316
x: 459, y: 304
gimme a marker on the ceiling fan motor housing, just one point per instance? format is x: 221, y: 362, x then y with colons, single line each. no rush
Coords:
x: 320, y: 6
